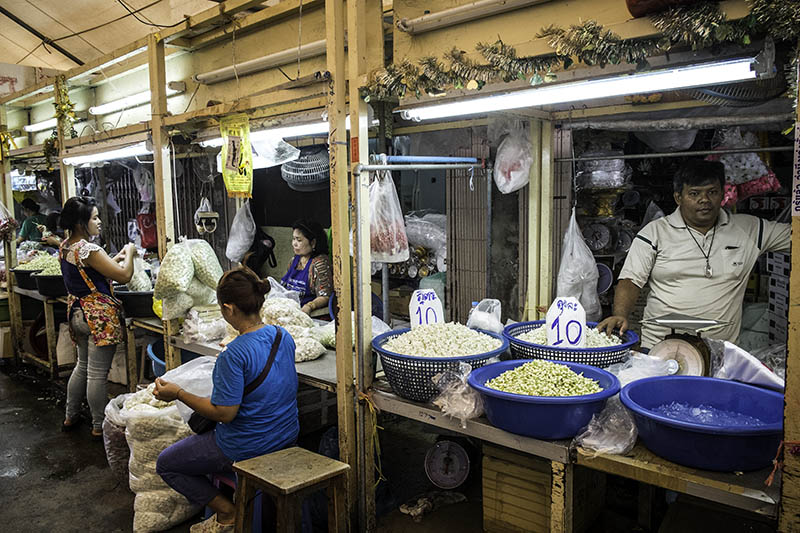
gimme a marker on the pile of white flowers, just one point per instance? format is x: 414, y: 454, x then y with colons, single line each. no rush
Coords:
x: 543, y: 378
x: 442, y: 340
x: 594, y: 337
x: 40, y: 261
x: 284, y: 312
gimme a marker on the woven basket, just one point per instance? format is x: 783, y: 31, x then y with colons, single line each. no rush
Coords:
x: 411, y: 377
x: 310, y: 171
x: 601, y: 357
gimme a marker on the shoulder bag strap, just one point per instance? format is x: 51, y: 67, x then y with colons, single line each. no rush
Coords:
x: 260, y: 379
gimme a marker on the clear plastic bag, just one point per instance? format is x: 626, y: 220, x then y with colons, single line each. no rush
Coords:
x: 116, y: 446
x: 613, y: 430
x: 198, y: 329
x: 388, y: 239
x: 200, y: 293
x: 243, y: 231
x: 272, y: 151
x: 513, y: 162
x: 276, y: 290
x: 773, y: 357
x: 486, y: 316
x: 206, y: 265
x: 175, y: 273
x: 140, y: 281
x: 731, y: 362
x: 577, y: 275
x: 8, y: 225
x: 652, y: 213
x: 425, y: 233
x: 176, y: 306
x: 456, y: 398
x: 194, y: 377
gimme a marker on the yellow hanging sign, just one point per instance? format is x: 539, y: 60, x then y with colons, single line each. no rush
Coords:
x: 237, y: 156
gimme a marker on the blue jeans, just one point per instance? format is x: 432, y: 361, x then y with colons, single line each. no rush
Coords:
x: 186, y: 465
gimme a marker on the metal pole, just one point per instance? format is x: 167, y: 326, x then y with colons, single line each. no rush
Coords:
x: 385, y: 292
x: 679, y: 154
x: 488, y: 232
x: 456, y: 166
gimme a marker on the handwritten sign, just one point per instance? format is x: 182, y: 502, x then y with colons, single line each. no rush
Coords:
x: 425, y: 308
x: 566, y: 323
x: 795, y: 196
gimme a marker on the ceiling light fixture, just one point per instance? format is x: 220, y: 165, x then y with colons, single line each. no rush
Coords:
x: 284, y: 132
x: 109, y: 155
x: 45, y: 125
x: 134, y: 100
x: 640, y: 83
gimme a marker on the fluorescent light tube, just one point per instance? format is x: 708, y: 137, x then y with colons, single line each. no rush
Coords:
x: 118, y: 153
x: 284, y: 132
x: 45, y: 125
x: 640, y: 83
x: 133, y: 100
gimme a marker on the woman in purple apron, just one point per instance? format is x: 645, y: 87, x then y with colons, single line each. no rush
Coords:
x: 310, y: 270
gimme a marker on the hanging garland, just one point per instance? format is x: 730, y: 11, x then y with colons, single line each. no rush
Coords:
x: 65, y: 115
x: 700, y: 25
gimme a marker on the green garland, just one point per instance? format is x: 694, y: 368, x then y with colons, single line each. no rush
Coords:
x: 65, y: 114
x: 700, y: 26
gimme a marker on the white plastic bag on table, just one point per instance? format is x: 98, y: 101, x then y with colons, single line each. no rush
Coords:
x: 175, y: 272
x: 513, y: 162
x: 243, y: 231
x: 613, y: 430
x: 388, y: 239
x: 199, y: 329
x: 486, y: 316
x: 577, y: 275
x: 116, y: 446
x: 738, y: 365
x: 456, y: 398
x: 307, y: 349
x: 195, y: 377
x: 276, y: 290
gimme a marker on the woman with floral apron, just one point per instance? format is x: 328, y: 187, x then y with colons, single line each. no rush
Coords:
x: 94, y: 315
x: 309, y: 272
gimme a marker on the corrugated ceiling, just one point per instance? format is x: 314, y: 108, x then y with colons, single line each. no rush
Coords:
x: 110, y: 25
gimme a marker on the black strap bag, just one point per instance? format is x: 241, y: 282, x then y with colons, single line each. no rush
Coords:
x: 201, y: 424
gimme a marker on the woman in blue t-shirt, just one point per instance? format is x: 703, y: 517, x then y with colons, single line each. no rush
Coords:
x: 259, y: 422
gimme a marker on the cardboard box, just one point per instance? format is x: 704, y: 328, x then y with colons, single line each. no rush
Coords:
x: 779, y: 283
x: 778, y: 303
x: 8, y: 350
x: 779, y: 263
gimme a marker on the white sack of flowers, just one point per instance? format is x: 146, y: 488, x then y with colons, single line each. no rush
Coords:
x: 594, y: 337
x: 152, y: 426
x: 206, y: 265
x: 176, y: 306
x: 201, y: 293
x: 284, y: 312
x: 307, y: 349
x: 140, y: 281
x: 442, y: 340
x: 175, y: 273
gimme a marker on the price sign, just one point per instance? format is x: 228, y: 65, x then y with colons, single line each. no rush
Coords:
x: 425, y: 308
x: 566, y: 323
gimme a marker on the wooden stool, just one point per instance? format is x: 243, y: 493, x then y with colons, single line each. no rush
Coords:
x: 288, y: 476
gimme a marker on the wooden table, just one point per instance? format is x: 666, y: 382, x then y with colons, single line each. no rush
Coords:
x: 51, y: 363
x: 746, y: 491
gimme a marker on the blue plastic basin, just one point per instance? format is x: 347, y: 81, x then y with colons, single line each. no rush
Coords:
x: 708, y: 447
x: 542, y: 417
x: 155, y: 351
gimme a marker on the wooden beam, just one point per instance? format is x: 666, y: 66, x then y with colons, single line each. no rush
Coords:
x: 208, y: 19
x: 267, y: 16
x: 789, y: 517
x: 124, y: 131
x: 534, y: 191
x: 162, y: 170
x: 545, y: 236
x: 340, y: 223
x: 9, y: 247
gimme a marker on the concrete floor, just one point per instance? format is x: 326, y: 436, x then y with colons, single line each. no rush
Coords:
x: 60, y: 482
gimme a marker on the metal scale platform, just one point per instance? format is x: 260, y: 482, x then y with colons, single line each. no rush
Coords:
x: 687, y: 348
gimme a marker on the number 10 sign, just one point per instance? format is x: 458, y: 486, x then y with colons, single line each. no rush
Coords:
x: 425, y: 308
x: 566, y: 323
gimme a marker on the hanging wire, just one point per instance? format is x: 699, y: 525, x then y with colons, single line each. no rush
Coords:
x: 299, y: 36
x: 574, y: 177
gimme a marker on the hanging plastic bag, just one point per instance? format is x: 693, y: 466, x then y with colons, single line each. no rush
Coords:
x: 388, y: 239
x: 243, y: 231
x: 577, y: 275
x: 613, y: 430
x: 456, y: 398
x: 8, y: 225
x: 486, y: 316
x: 272, y: 151
x: 140, y: 281
x: 513, y: 162
x: 175, y: 272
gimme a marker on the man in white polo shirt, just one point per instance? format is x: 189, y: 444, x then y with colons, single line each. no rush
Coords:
x: 697, y: 260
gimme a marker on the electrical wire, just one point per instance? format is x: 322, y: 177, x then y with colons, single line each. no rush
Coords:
x: 145, y: 22
x: 76, y: 34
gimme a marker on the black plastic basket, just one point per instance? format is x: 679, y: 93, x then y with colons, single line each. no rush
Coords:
x: 24, y: 279
x: 601, y: 357
x: 50, y: 286
x: 411, y: 377
x: 135, y: 304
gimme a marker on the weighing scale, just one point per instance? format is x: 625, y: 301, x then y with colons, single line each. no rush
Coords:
x: 688, y: 349
x: 447, y: 464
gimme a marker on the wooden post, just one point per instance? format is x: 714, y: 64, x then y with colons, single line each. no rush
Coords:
x: 67, y: 172
x: 561, y: 497
x: 130, y: 359
x: 52, y: 338
x: 789, y: 518
x: 545, y: 237
x: 162, y: 170
x: 359, y: 154
x: 10, y: 248
x: 340, y: 223
x: 533, y: 222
